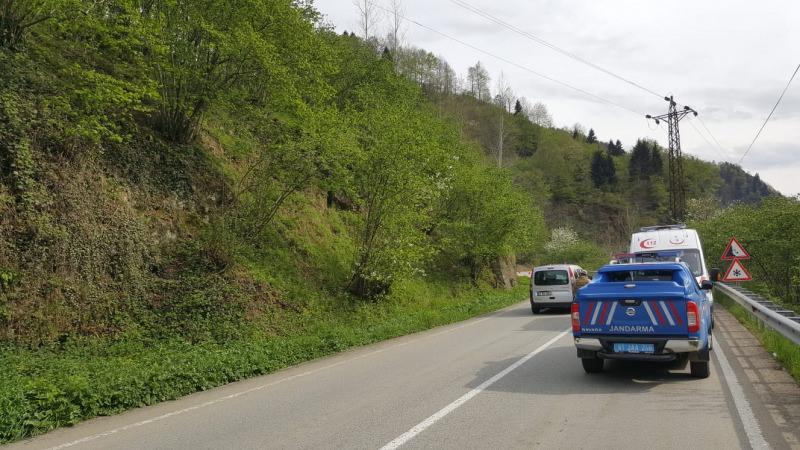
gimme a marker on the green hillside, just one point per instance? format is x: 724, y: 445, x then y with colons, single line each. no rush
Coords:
x: 194, y: 192
x: 599, y: 189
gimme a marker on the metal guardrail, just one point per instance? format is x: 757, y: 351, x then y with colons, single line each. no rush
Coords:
x: 782, y: 320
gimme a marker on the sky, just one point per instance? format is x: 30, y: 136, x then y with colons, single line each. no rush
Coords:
x: 727, y: 59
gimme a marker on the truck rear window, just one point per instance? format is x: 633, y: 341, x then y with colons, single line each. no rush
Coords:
x: 640, y: 275
x: 550, y: 277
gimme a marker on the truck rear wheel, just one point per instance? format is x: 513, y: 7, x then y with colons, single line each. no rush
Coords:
x: 535, y: 309
x: 700, y: 369
x: 592, y: 365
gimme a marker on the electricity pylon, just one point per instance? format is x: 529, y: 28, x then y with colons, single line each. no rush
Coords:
x: 677, y: 190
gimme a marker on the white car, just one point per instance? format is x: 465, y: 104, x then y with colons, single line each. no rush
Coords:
x: 552, y: 286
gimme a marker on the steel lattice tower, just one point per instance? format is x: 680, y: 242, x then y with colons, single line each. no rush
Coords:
x: 677, y: 188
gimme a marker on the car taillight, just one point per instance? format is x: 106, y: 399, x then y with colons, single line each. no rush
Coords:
x: 692, y: 317
x: 576, y: 317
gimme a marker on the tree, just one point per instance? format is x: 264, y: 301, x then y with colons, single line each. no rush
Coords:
x: 204, y: 49
x: 310, y: 150
x: 526, y: 136
x: 518, y: 108
x: 610, y: 169
x: 578, y: 131
x: 656, y: 163
x: 505, y: 95
x: 18, y: 16
x: 591, y: 138
x: 503, y: 99
x: 367, y: 17
x: 602, y: 169
x: 478, y: 81
x: 771, y: 232
x: 406, y: 166
x: 485, y: 217
x: 615, y: 149
x: 397, y: 30
x: 538, y: 114
x: 640, y: 166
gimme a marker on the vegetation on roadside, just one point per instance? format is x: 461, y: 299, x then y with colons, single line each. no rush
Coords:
x: 784, y: 350
x: 181, y: 168
x: 62, y: 385
x: 192, y: 192
x: 770, y: 232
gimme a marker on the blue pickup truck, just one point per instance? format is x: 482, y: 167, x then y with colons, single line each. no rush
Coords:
x: 646, y: 312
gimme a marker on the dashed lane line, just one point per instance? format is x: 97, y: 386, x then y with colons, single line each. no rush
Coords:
x: 264, y: 386
x: 422, y: 426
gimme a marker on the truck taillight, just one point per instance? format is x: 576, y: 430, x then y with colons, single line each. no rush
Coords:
x: 692, y: 317
x: 576, y: 317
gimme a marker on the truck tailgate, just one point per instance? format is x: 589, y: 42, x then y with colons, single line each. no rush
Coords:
x: 657, y: 309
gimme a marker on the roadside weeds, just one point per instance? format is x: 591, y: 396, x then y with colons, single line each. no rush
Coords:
x: 47, y: 389
x: 782, y: 349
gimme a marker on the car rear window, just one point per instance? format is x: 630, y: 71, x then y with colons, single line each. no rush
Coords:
x: 640, y: 275
x: 550, y: 277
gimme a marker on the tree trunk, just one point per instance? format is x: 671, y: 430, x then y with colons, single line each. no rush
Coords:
x: 504, y: 269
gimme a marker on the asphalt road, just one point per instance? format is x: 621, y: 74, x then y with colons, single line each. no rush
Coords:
x: 506, y: 380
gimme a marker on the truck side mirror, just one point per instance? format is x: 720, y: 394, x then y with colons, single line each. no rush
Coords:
x: 706, y: 285
x: 714, y: 274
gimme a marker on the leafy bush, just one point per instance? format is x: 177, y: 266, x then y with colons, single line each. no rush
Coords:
x: 566, y: 247
x: 770, y: 231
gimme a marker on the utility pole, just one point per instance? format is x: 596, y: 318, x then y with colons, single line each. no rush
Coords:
x: 677, y: 190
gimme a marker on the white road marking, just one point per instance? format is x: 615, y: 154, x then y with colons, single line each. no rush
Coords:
x: 746, y: 415
x: 422, y: 426
x: 263, y: 386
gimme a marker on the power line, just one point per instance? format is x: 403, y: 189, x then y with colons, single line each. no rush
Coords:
x: 551, y: 46
x: 770, y: 115
x: 722, y: 149
x: 508, y: 61
x: 691, y: 122
x: 554, y: 47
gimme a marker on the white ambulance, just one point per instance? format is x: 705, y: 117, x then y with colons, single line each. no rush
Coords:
x: 685, y: 242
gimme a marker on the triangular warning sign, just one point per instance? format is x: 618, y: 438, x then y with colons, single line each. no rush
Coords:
x: 737, y: 272
x: 734, y: 250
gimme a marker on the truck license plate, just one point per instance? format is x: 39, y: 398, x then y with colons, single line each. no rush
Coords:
x: 632, y: 347
x: 543, y: 293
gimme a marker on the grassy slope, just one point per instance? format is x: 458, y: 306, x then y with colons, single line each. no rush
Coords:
x: 61, y: 386
x: 280, y: 301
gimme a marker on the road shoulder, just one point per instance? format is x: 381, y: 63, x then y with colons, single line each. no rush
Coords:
x: 773, y: 394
